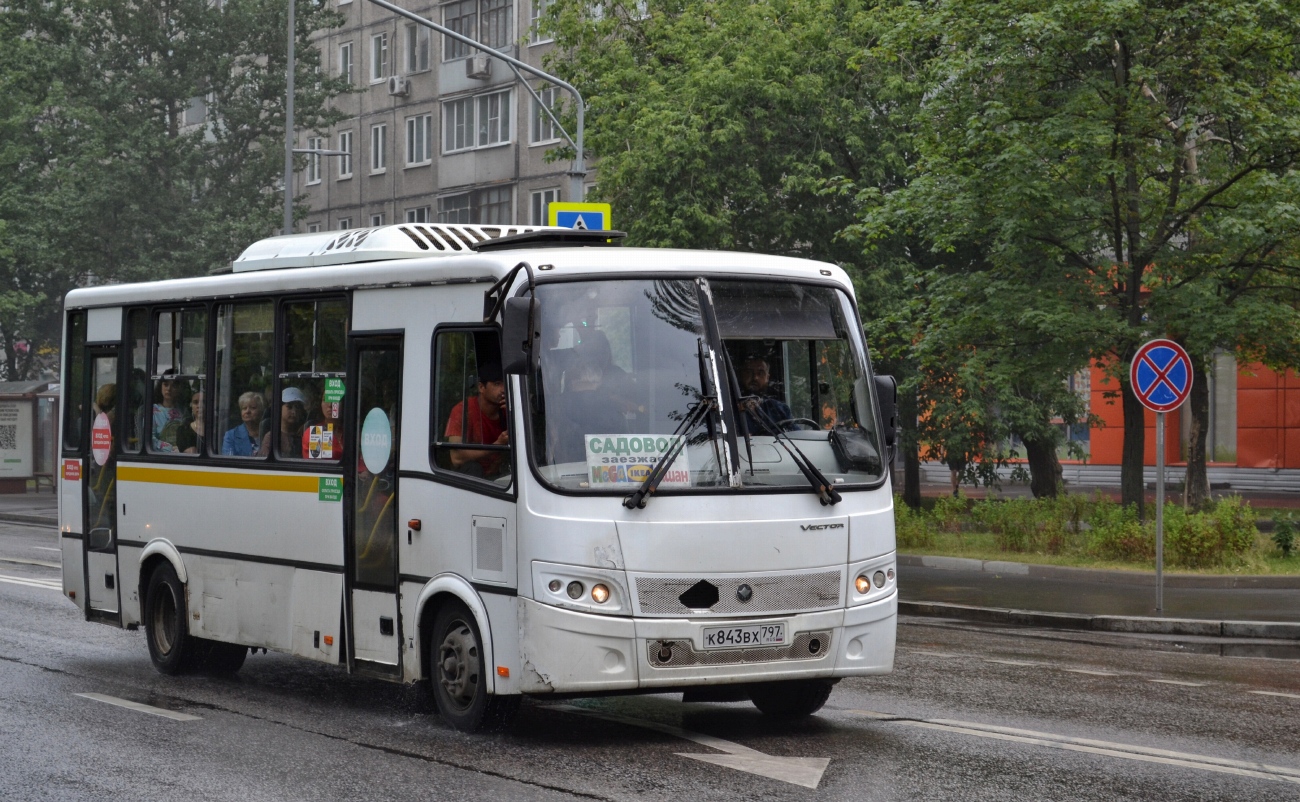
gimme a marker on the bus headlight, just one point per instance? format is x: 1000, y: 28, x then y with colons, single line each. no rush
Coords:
x: 862, y: 584
x: 599, y: 594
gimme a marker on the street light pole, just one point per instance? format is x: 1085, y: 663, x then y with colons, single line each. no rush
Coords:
x: 579, y: 172
x: 288, y: 131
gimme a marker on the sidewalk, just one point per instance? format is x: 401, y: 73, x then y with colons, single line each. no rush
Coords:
x: 30, y: 508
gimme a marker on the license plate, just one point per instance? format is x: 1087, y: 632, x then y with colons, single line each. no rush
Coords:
x: 740, y: 637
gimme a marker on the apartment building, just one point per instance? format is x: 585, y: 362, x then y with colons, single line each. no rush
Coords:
x: 436, y: 131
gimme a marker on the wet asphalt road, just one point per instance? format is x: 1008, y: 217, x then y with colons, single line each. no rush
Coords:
x: 969, y: 714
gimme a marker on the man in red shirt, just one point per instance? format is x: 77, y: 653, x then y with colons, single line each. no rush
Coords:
x: 480, y: 419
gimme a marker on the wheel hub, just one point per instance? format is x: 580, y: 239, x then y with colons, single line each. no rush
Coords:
x: 458, y: 664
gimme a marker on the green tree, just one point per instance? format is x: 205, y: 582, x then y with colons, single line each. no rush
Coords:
x: 1089, y: 140
x: 142, y: 141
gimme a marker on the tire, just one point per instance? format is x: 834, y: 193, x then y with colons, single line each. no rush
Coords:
x: 216, y: 657
x: 171, y: 646
x: 460, y: 677
x: 791, y: 699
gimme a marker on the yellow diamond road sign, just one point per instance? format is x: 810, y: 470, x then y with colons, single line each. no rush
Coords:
x: 589, y: 216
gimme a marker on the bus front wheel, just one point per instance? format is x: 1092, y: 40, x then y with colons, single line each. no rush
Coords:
x: 460, y: 674
x: 171, y: 646
x: 791, y: 699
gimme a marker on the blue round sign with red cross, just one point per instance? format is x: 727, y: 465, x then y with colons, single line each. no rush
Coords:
x: 1161, y: 375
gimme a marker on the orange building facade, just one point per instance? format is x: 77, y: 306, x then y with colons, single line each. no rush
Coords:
x: 1254, y: 419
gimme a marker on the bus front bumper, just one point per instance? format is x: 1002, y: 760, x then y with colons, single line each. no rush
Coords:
x: 571, y: 652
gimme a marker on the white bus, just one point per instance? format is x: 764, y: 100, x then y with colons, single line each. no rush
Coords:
x: 498, y: 460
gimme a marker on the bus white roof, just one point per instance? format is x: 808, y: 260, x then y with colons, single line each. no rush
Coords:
x: 304, y: 262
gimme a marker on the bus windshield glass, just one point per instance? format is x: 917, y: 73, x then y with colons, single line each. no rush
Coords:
x: 622, y: 365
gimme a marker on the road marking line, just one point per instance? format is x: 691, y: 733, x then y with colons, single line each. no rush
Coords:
x: 931, y: 654
x: 1276, y: 693
x: 1179, y: 682
x: 1091, y: 746
x: 46, y: 548
x: 129, y: 705
x: 48, y: 584
x: 1009, y: 662
x: 1090, y: 672
x: 19, y: 561
x: 805, y: 771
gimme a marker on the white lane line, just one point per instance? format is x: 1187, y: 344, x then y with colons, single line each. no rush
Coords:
x: 1178, y: 682
x: 805, y: 771
x: 46, y: 548
x: 1276, y: 693
x: 48, y: 584
x: 1090, y: 672
x: 129, y: 705
x: 1009, y: 662
x: 930, y: 654
x: 20, y: 561
x: 1240, y: 768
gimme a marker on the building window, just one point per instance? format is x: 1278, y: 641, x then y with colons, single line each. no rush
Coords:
x: 419, y: 133
x: 345, y: 162
x: 313, y: 159
x: 345, y: 223
x: 535, y: 37
x: 487, y: 21
x: 376, y: 220
x: 378, y: 148
x: 544, y: 128
x: 541, y: 200
x: 313, y: 228
x: 419, y: 214
x: 378, y: 57
x: 417, y: 48
x: 345, y: 62
x: 196, y: 111
x: 490, y: 206
x: 476, y: 122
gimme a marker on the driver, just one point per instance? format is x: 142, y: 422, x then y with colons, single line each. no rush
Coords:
x: 755, y: 376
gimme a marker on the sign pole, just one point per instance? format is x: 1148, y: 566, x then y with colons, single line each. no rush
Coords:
x: 1160, y: 511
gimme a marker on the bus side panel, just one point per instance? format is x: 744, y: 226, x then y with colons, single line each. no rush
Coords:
x: 237, y: 601
x: 74, y: 570
x: 871, y: 533
x: 317, y: 607
x: 70, y: 526
x: 128, y: 577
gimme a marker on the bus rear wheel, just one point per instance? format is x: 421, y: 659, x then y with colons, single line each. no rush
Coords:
x: 791, y: 699
x: 171, y: 647
x: 460, y: 675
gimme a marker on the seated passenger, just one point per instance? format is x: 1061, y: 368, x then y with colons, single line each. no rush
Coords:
x: 293, y: 414
x: 754, y: 379
x: 167, y: 413
x: 245, y: 440
x: 586, y: 407
x: 189, y: 438
x: 480, y: 418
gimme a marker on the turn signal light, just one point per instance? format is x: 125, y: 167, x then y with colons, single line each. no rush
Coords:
x: 862, y: 584
x: 329, y: 640
x: 600, y: 594
x: 502, y: 671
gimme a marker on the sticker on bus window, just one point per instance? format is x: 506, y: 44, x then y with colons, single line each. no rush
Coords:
x: 615, y: 460
x: 72, y: 470
x: 320, y: 442
x: 376, y: 441
x: 101, y: 439
x: 333, y: 392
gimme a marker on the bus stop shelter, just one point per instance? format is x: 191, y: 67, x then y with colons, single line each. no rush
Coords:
x: 28, y: 423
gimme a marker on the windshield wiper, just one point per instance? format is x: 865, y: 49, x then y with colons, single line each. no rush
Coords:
x: 636, y: 500
x: 826, y: 491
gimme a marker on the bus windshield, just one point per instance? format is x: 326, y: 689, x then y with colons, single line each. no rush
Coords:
x: 622, y: 365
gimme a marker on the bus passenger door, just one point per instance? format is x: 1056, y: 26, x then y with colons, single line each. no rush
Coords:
x: 375, y: 368
x: 99, y: 504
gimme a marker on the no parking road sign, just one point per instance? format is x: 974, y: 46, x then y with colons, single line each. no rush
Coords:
x: 1161, y: 375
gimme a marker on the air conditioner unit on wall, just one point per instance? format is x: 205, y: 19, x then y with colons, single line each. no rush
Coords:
x: 399, y: 85
x: 478, y: 67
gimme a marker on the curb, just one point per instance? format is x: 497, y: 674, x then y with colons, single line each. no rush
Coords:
x: 1100, y: 576
x: 20, y: 518
x: 1270, y: 630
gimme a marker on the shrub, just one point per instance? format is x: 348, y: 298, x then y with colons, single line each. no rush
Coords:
x: 1117, y: 534
x: 1217, y: 536
x: 912, y: 528
x: 948, y: 512
x: 1284, y: 534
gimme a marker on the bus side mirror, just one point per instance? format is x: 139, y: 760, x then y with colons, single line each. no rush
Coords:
x: 516, y: 339
x: 887, y: 393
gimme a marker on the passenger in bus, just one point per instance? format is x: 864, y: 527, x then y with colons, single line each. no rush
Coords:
x: 586, y: 407
x: 244, y: 440
x: 755, y: 378
x: 293, y: 414
x: 189, y: 438
x: 480, y: 418
x: 619, y: 386
x: 167, y: 412
x: 323, y: 437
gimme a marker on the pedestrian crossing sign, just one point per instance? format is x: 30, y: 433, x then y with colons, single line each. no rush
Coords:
x: 584, y: 216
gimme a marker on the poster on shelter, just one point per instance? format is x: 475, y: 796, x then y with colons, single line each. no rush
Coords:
x: 16, y: 439
x: 625, y: 460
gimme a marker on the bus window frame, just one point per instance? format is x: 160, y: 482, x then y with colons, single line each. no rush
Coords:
x: 278, y: 359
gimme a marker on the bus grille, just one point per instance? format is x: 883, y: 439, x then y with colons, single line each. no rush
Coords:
x: 785, y: 593
x: 805, y: 646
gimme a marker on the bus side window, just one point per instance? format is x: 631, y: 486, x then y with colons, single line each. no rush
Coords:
x: 243, y: 379
x: 312, y: 379
x: 176, y: 416
x: 471, y: 423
